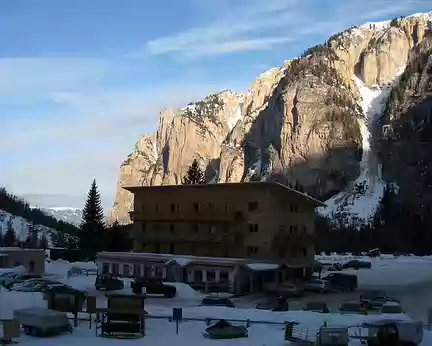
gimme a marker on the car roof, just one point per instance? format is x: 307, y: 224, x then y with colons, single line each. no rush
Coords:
x: 391, y: 304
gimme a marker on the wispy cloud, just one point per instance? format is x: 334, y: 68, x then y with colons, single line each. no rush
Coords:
x: 257, y: 25
x: 240, y: 29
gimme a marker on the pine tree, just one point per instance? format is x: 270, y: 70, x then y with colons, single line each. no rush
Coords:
x: 9, y: 238
x: 92, y: 225
x: 194, y: 175
x: 118, y: 239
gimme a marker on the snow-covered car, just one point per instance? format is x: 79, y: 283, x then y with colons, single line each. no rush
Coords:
x: 317, y: 285
x: 8, y: 276
x: 28, y: 283
x: 374, y: 299
x: 217, y: 301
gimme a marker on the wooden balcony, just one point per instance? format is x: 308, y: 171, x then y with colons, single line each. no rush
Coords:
x: 186, y: 216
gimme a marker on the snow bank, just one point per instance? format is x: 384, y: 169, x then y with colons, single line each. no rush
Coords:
x: 262, y: 266
x: 184, y: 291
x: 388, y: 270
x: 19, y: 269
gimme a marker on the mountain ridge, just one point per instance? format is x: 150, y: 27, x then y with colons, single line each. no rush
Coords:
x: 301, y: 123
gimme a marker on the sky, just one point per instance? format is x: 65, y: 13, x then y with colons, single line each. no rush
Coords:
x: 81, y: 80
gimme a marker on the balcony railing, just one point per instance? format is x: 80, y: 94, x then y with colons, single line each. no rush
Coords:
x: 186, y: 216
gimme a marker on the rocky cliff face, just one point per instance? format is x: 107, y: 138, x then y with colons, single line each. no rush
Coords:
x: 306, y: 123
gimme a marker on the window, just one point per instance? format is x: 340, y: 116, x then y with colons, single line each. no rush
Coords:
x: 143, y: 246
x: 224, y: 276
x: 195, y: 228
x: 305, y: 229
x: 253, y: 206
x: 252, y: 250
x: 105, y: 268
x: 115, y: 269
x: 156, y: 208
x: 171, y: 228
x: 172, y: 208
x: 253, y: 228
x: 293, y: 229
x: 212, y: 229
x: 171, y: 248
x: 210, y: 207
x: 281, y: 253
x: 195, y: 207
x: 157, y: 248
x: 293, y: 208
x: 211, y: 276
x: 143, y: 227
x: 304, y: 252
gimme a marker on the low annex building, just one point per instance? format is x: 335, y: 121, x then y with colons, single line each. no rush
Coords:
x: 33, y: 260
x: 217, y: 234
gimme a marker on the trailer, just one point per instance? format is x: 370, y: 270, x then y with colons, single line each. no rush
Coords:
x: 38, y: 321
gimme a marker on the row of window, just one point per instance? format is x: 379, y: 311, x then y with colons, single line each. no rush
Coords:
x: 198, y: 207
x: 195, y: 228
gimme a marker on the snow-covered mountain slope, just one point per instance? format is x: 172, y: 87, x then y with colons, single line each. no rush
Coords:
x: 20, y: 226
x: 66, y: 214
x: 360, y: 201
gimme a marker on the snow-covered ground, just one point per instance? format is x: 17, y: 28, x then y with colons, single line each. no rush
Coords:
x: 397, y: 271
x: 359, y: 202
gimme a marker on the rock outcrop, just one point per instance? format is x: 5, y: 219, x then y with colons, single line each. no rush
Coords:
x: 299, y: 123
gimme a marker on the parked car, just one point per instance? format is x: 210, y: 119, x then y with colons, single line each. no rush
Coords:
x: 356, y: 264
x: 317, y: 285
x: 286, y: 289
x: 374, y: 299
x: 336, y: 267
x: 28, y: 284
x: 217, y: 301
x: 316, y: 307
x: 342, y: 281
x: 153, y: 286
x: 391, y: 308
x: 20, y: 278
x: 108, y: 283
x: 353, y: 307
x: 7, y: 276
x: 276, y: 304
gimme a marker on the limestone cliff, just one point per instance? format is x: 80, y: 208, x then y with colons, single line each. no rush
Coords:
x: 302, y: 123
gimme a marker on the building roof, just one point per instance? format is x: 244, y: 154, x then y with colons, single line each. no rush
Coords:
x: 260, y: 184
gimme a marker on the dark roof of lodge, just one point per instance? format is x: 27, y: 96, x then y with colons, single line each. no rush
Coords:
x: 318, y: 203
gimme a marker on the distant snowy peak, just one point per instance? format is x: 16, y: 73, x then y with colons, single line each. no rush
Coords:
x: 65, y: 214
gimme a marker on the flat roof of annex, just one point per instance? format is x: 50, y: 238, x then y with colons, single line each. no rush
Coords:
x: 251, y: 184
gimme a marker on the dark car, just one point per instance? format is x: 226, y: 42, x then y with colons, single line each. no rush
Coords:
x: 277, y: 304
x: 353, y: 308
x: 374, y: 299
x: 316, y: 307
x: 153, y: 286
x: 217, y: 301
x: 342, y: 281
x: 356, y: 264
x: 108, y: 283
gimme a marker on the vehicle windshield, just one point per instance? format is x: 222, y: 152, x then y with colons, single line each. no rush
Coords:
x: 391, y: 309
x: 314, y: 306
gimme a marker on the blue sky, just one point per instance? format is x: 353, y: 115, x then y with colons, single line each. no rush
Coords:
x: 81, y: 80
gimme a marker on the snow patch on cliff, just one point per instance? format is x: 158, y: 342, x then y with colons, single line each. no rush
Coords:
x: 359, y: 203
